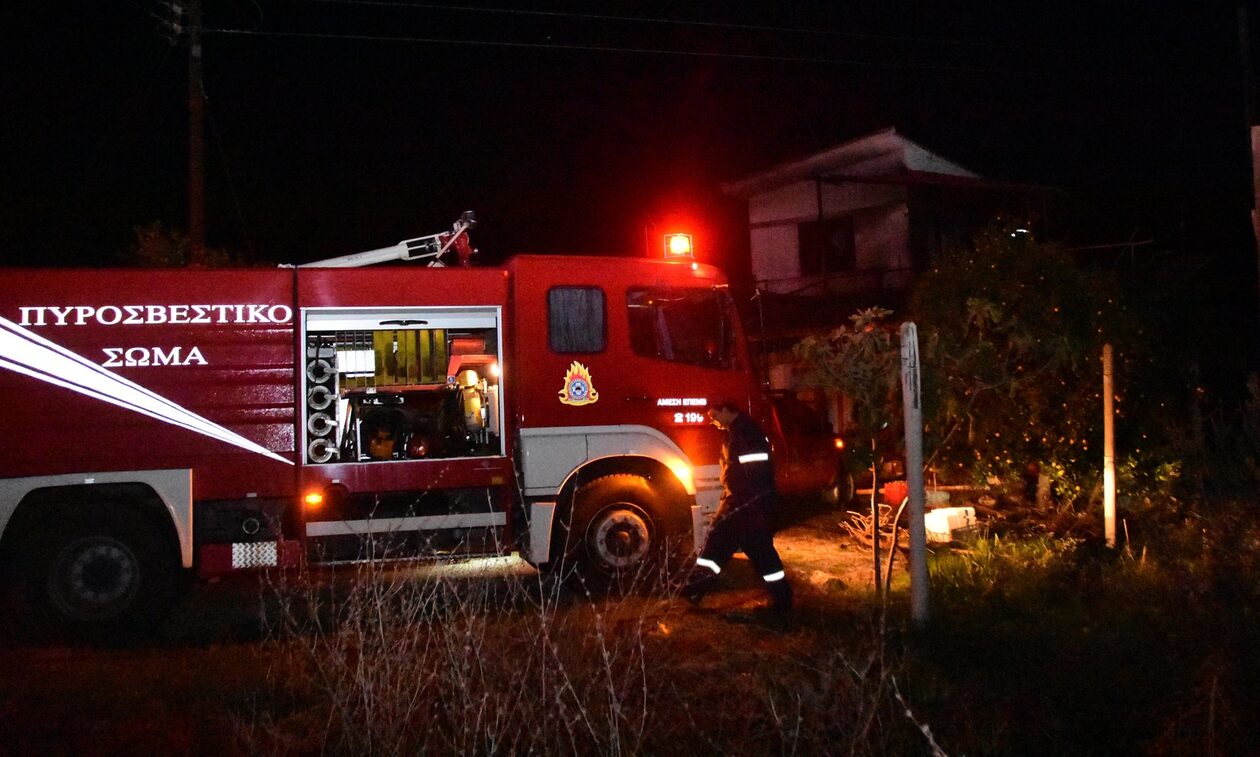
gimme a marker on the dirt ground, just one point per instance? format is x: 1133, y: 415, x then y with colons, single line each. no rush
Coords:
x: 189, y: 689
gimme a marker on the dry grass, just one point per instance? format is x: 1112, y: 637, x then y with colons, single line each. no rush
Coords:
x: 384, y: 661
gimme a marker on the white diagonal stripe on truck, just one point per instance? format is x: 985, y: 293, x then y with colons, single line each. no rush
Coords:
x: 32, y: 355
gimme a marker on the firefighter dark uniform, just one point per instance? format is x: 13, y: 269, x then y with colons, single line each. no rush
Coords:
x: 745, y: 517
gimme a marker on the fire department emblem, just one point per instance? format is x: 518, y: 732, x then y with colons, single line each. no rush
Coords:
x: 578, y: 389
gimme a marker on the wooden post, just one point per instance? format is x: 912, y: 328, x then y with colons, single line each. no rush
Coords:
x: 875, y: 515
x: 1255, y: 174
x: 1109, y: 452
x: 912, y: 409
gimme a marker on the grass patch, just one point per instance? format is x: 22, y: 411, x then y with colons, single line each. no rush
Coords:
x: 1037, y: 645
x: 1056, y: 646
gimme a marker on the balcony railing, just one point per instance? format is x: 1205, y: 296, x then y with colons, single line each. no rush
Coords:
x: 864, y: 281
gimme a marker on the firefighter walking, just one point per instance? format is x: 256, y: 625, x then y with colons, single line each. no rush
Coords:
x: 745, y: 517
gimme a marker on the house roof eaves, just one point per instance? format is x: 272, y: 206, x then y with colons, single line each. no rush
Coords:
x: 871, y: 148
x: 927, y: 178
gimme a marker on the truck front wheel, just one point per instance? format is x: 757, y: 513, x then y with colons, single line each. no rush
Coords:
x: 618, y: 531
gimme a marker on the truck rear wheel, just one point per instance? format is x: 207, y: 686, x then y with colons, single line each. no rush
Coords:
x: 97, y: 573
x: 618, y: 532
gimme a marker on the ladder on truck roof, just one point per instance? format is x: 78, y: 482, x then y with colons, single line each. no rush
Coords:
x: 433, y: 248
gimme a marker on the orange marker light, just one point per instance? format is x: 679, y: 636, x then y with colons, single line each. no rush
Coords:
x: 839, y: 443
x: 678, y: 246
x: 313, y: 500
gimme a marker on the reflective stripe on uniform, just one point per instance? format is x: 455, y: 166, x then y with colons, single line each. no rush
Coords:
x: 707, y: 563
x: 754, y: 457
x: 773, y: 577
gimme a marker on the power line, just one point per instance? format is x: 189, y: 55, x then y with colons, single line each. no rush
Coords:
x: 605, y: 49
x: 685, y: 53
x: 697, y: 23
x: 160, y: 19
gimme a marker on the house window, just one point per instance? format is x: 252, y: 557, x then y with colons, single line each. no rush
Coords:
x: 827, y: 246
x: 575, y: 319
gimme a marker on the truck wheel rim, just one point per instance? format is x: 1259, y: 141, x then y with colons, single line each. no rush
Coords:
x: 620, y: 537
x: 94, y: 578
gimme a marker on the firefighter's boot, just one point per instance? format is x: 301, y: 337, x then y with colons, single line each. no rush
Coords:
x: 699, y: 581
x: 780, y: 597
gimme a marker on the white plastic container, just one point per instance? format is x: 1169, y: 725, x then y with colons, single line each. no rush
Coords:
x: 942, y: 522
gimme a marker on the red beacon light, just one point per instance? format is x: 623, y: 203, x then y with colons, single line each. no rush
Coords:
x: 678, y: 247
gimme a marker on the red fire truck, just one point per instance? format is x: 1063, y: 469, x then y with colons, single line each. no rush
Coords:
x: 165, y: 422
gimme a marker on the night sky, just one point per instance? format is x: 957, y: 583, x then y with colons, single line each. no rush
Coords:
x: 573, y: 127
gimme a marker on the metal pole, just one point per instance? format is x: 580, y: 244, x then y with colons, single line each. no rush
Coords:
x: 912, y: 407
x: 1109, y: 452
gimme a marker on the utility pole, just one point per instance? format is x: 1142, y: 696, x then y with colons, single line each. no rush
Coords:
x: 1249, y: 113
x: 196, y: 140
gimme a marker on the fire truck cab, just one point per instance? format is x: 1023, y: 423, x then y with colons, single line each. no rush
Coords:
x: 162, y: 422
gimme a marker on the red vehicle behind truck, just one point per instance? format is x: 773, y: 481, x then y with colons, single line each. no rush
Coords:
x: 164, y: 422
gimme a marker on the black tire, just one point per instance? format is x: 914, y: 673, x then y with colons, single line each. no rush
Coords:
x: 840, y: 494
x: 98, y: 573
x: 617, y: 535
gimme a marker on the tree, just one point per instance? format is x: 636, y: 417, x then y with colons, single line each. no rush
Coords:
x: 156, y: 246
x: 1015, y: 329
x: 861, y: 362
x: 1011, y: 331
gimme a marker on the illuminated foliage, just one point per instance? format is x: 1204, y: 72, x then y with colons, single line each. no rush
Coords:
x: 1010, y: 335
x: 861, y: 361
x: 1011, y: 370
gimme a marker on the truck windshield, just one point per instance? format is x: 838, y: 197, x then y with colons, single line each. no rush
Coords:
x: 693, y: 326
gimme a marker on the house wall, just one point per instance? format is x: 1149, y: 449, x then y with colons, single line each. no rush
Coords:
x: 799, y: 202
x: 773, y: 238
x: 792, y: 203
x: 846, y: 199
x: 882, y: 241
x: 881, y: 228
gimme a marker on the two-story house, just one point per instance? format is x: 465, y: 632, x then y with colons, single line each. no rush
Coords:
x: 850, y: 227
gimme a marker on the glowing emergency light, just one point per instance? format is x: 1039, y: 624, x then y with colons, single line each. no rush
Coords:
x: 678, y: 247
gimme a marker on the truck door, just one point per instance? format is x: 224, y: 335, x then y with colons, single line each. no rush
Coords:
x: 807, y: 458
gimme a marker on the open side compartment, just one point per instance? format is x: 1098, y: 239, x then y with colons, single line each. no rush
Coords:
x: 402, y: 384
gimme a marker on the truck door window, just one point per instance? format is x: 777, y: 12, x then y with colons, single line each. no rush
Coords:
x: 575, y: 319
x: 401, y: 385
x: 693, y: 326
